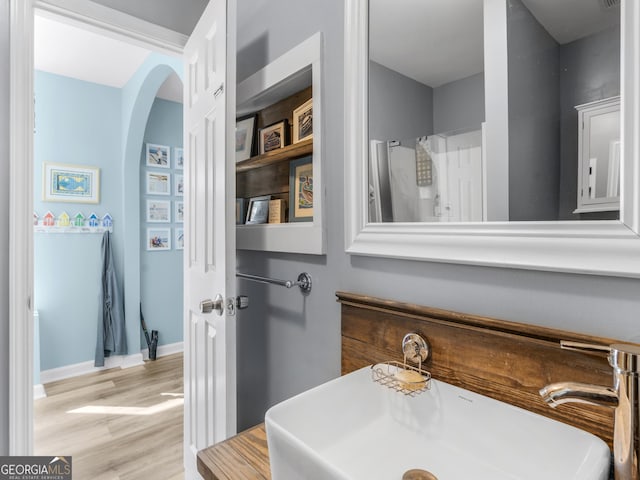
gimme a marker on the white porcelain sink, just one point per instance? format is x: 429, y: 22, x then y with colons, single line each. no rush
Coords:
x: 353, y: 428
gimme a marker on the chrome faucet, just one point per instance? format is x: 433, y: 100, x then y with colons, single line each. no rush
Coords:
x: 624, y: 396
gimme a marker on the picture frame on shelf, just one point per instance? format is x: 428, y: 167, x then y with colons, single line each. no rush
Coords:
x: 246, y: 134
x: 158, y: 211
x: 178, y: 211
x: 158, y: 156
x: 241, y: 210
x: 258, y: 210
x: 70, y: 183
x: 158, y: 183
x: 158, y: 239
x: 179, y: 238
x: 301, y: 190
x: 178, y: 187
x: 179, y: 158
x: 274, y: 136
x: 303, y: 121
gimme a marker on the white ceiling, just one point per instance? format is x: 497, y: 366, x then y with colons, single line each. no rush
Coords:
x: 439, y: 41
x: 74, y: 52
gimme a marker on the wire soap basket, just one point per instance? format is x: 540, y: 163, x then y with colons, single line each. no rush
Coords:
x: 401, y: 377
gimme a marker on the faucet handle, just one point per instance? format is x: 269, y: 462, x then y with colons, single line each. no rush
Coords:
x: 585, y: 347
x: 624, y: 357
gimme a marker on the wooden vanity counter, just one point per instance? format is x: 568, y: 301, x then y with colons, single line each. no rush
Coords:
x: 243, y: 457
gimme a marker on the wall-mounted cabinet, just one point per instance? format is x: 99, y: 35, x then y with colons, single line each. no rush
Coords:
x: 272, y: 95
x: 599, y: 156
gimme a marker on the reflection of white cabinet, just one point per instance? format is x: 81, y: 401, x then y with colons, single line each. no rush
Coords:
x: 599, y: 156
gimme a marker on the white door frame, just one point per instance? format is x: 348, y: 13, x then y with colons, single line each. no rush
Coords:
x: 21, y: 45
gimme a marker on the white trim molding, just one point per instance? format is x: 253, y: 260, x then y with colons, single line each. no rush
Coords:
x: 20, y: 228
x: 118, y: 24
x: 586, y: 247
x: 83, y: 368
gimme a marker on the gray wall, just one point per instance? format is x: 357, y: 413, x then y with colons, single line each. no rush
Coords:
x: 401, y: 108
x: 4, y: 232
x: 294, y: 342
x: 459, y: 105
x: 534, y: 116
x: 589, y: 71
x: 178, y: 15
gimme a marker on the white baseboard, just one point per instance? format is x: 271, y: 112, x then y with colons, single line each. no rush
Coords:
x: 116, y: 361
x: 77, y: 369
x: 164, y: 350
x: 39, y: 391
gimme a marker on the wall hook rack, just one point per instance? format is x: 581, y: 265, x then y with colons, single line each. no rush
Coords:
x: 303, y: 281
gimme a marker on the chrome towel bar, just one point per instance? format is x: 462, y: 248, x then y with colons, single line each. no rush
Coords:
x: 304, y: 281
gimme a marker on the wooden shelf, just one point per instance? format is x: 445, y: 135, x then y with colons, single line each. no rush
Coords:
x: 300, y: 149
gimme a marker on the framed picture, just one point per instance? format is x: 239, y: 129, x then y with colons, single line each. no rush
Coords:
x: 241, y: 208
x: 158, y: 183
x: 301, y: 190
x: 158, y: 156
x: 303, y: 121
x: 158, y: 239
x: 246, y: 137
x: 258, y: 211
x: 70, y: 183
x: 179, y: 158
x: 178, y: 212
x: 158, y: 211
x: 179, y: 238
x: 274, y: 136
x: 178, y: 189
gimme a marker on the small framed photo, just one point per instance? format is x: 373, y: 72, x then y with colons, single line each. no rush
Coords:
x: 158, y: 211
x: 258, y: 210
x: 301, y: 190
x: 158, y: 156
x: 241, y: 210
x: 178, y: 212
x: 179, y: 158
x: 274, y: 136
x: 158, y: 239
x: 246, y: 137
x: 179, y: 238
x: 303, y: 121
x: 70, y: 183
x: 178, y: 189
x: 158, y: 183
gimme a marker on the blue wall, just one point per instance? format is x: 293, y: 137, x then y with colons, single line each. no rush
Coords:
x: 161, y: 271
x: 77, y: 123
x: 81, y: 123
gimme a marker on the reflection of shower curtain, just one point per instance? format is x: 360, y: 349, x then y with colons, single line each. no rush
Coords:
x: 112, y: 338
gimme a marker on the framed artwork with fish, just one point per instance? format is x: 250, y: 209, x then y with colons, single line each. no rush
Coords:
x: 70, y: 183
x: 301, y: 190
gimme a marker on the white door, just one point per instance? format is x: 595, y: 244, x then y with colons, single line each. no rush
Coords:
x: 209, y: 253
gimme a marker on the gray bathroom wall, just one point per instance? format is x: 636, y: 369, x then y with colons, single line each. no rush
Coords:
x: 589, y: 71
x: 178, y: 15
x: 290, y: 342
x: 534, y: 117
x: 459, y: 105
x: 401, y: 107
x: 4, y: 232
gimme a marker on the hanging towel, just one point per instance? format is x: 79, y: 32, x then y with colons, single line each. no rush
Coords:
x: 112, y: 338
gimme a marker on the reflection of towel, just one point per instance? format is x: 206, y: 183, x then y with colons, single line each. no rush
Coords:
x: 112, y: 338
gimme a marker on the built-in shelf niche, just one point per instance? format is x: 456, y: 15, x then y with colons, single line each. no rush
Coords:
x: 275, y: 91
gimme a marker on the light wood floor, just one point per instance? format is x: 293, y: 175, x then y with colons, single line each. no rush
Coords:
x: 141, y: 440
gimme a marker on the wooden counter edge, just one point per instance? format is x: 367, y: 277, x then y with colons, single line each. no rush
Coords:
x: 242, y: 457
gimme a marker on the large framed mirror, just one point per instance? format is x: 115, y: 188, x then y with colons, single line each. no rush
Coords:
x: 462, y: 133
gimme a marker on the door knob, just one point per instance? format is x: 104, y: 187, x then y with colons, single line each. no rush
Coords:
x: 208, y: 305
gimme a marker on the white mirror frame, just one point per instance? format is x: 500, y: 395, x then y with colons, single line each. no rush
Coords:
x: 591, y: 247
